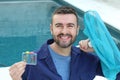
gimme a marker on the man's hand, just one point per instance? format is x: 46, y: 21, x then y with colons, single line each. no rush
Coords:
x: 16, y: 70
x: 84, y: 46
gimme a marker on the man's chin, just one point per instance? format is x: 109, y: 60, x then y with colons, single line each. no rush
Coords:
x: 64, y: 45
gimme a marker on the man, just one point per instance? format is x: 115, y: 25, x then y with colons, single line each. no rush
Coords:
x: 57, y: 59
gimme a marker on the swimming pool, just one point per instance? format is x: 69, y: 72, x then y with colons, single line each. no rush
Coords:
x: 24, y: 25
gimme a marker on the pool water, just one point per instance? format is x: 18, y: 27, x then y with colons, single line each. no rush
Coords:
x: 24, y: 25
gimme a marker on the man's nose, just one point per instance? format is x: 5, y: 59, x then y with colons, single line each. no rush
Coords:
x: 64, y: 30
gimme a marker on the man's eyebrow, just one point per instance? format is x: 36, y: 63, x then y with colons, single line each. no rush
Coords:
x: 67, y: 24
x: 58, y: 24
x: 71, y: 24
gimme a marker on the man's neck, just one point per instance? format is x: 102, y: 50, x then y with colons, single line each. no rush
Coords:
x: 61, y: 51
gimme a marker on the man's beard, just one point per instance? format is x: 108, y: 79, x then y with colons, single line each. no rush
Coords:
x: 62, y: 44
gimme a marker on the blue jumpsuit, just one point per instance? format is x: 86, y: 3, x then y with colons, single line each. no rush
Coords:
x: 83, y: 66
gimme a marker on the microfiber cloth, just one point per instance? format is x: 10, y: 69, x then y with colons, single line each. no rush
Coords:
x: 103, y: 44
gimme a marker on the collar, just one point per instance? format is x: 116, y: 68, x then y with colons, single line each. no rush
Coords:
x: 44, y: 51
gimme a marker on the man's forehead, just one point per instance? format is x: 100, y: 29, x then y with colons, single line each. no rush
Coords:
x: 64, y: 18
x: 62, y: 15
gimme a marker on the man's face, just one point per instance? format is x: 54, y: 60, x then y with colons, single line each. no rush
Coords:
x: 64, y: 29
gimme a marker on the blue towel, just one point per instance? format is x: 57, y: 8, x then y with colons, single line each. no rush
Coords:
x: 103, y: 44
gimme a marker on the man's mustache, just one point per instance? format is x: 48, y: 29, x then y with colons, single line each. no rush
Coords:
x: 64, y: 35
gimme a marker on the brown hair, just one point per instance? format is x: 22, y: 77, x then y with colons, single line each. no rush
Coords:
x: 66, y: 10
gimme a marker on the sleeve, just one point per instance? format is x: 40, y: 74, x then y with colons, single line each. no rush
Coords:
x: 25, y: 74
x: 99, y: 70
x: 118, y: 76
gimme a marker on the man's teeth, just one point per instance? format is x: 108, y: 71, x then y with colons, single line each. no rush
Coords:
x: 64, y: 37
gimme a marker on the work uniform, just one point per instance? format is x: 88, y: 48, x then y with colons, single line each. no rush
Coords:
x: 83, y: 66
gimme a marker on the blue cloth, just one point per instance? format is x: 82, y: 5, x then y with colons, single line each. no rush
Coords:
x: 83, y: 66
x: 64, y: 69
x: 103, y: 44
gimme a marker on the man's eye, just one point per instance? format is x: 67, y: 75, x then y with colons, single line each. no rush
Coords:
x: 58, y: 25
x: 70, y: 26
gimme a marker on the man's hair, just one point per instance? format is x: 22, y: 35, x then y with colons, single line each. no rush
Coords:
x: 66, y: 10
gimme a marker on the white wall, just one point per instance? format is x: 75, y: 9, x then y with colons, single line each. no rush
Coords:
x: 114, y: 3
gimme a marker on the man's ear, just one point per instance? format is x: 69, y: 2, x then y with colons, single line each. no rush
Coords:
x: 51, y: 28
x: 51, y: 32
x: 78, y: 29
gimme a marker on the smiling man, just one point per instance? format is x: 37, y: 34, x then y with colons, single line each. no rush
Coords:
x: 64, y: 28
x: 57, y: 59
